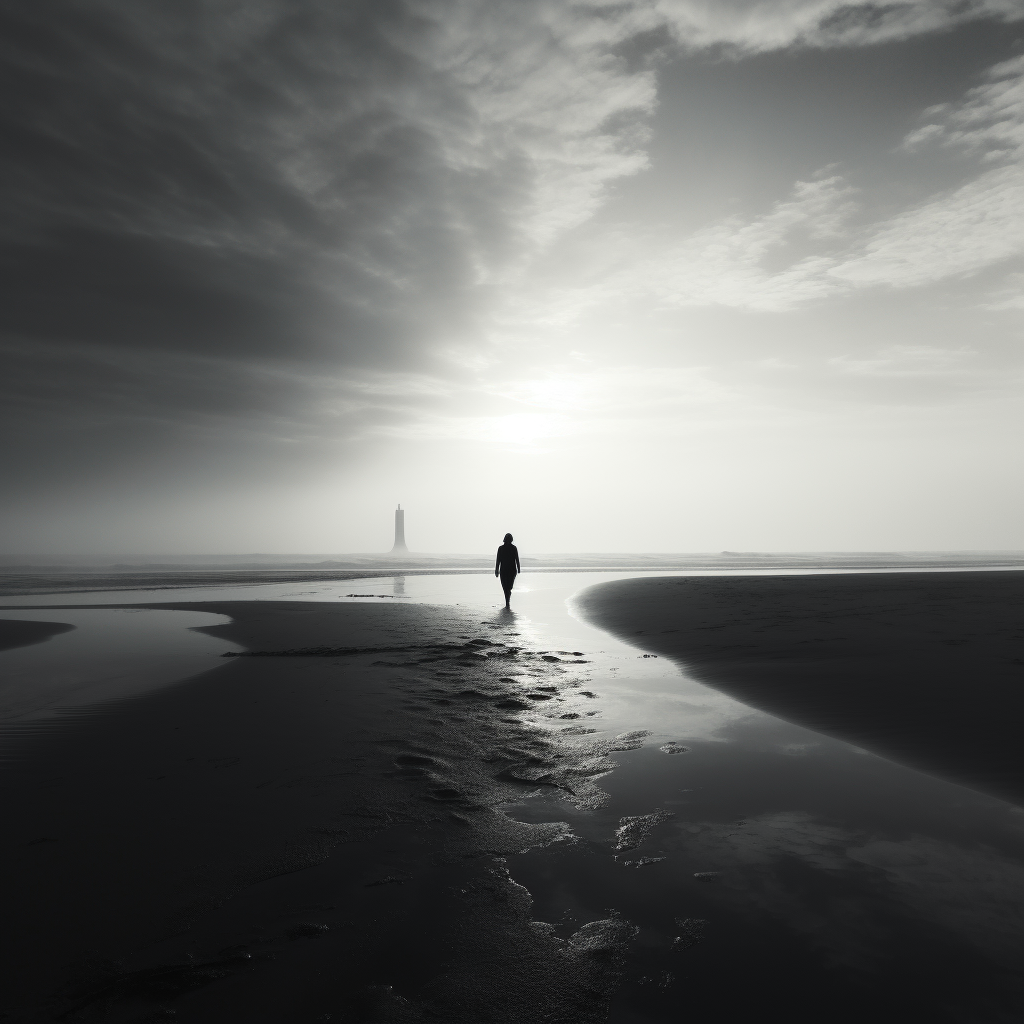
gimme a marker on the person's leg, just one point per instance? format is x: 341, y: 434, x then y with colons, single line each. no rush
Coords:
x: 506, y: 584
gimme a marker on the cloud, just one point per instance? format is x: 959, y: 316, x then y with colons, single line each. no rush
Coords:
x: 543, y: 83
x: 757, y: 26
x: 352, y: 183
x: 819, y: 242
x: 325, y: 181
x: 92, y: 407
x: 908, y: 361
x: 990, y: 120
x: 726, y: 264
x: 957, y: 234
x: 316, y: 225
x: 530, y: 414
x: 970, y: 227
x: 1009, y: 296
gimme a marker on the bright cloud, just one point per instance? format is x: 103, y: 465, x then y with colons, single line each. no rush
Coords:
x: 968, y: 228
x: 906, y: 361
x: 815, y: 244
x: 755, y: 26
x: 990, y: 121
x: 963, y: 232
x: 724, y: 264
x: 542, y: 86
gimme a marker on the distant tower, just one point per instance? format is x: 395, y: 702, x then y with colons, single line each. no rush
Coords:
x: 399, y: 548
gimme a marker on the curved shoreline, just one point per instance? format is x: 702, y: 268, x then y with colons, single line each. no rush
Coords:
x: 924, y: 669
x: 16, y: 633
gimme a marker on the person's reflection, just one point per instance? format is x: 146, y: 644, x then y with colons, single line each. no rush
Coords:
x: 399, y: 585
x: 506, y: 565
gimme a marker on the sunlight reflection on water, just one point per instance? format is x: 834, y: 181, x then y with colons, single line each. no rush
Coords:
x: 787, y: 846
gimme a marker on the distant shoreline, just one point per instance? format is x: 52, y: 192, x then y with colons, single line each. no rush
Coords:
x: 128, y: 561
x: 25, y: 580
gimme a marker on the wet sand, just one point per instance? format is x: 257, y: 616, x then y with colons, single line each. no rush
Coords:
x: 925, y: 669
x: 388, y: 811
x: 306, y: 830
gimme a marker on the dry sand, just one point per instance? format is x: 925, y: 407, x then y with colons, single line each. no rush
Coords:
x: 926, y: 669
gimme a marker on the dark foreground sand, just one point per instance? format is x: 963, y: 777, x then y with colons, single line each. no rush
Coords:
x: 18, y: 633
x: 926, y: 669
x: 316, y: 832
x: 300, y: 837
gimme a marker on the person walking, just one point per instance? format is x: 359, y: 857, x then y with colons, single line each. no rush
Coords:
x: 506, y: 565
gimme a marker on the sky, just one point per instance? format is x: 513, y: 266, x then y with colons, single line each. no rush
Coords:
x: 644, y: 276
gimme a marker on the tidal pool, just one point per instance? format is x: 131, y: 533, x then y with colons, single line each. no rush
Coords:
x: 111, y: 654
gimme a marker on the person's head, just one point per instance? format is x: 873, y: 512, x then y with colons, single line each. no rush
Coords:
x: 508, y: 538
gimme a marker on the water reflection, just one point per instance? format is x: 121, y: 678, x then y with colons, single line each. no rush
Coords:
x: 111, y: 653
x: 790, y: 870
x: 810, y: 867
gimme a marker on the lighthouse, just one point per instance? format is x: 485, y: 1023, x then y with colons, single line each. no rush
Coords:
x: 399, y: 548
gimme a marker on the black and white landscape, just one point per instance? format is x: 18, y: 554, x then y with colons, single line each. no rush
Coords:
x: 716, y: 307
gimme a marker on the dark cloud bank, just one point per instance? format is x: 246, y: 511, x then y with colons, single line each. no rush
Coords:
x: 207, y: 207
x: 239, y: 181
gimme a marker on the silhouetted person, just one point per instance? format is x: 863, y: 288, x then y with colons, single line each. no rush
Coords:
x: 506, y: 565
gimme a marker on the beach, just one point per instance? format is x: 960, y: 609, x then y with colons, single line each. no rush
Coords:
x: 923, y: 668
x: 23, y: 634
x: 392, y: 801
x: 137, y: 831
x: 509, y: 512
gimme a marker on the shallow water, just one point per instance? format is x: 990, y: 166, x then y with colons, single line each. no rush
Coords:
x: 763, y: 864
x: 744, y: 845
x: 49, y: 590
x: 112, y: 653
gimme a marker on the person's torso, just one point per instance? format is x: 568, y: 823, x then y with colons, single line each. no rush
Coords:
x: 507, y: 556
